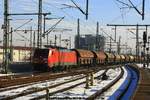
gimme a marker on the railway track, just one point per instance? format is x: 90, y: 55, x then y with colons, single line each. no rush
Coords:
x: 13, y: 80
x: 126, y: 89
x: 25, y: 85
x: 132, y: 84
x: 33, y: 90
x: 61, y: 88
x: 108, y: 86
x: 52, y: 94
x: 38, y: 79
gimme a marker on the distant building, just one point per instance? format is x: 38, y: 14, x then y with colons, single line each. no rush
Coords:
x: 90, y: 42
x: 19, y: 54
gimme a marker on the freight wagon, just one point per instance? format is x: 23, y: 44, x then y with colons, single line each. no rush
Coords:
x: 61, y: 58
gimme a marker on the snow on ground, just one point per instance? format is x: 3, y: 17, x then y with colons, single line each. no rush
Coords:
x: 38, y: 85
x: 5, y: 74
x: 80, y: 92
x: 108, y: 93
x: 77, y: 92
x: 51, y: 90
x: 27, y: 73
x: 141, y: 65
x: 56, y: 88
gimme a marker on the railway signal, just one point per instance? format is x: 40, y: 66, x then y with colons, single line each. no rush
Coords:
x: 144, y: 38
x: 144, y: 45
x: 137, y: 32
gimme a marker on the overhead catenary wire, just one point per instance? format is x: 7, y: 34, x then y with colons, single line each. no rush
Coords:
x: 121, y: 10
x: 22, y: 36
x: 72, y: 17
x: 67, y: 14
x: 90, y: 29
x: 23, y: 25
x: 52, y: 28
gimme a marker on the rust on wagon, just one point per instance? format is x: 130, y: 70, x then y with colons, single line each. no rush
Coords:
x: 85, y: 53
x: 101, y: 55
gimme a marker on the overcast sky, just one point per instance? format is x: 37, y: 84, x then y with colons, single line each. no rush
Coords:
x: 103, y: 11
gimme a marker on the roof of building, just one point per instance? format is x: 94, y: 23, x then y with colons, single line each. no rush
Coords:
x: 19, y: 48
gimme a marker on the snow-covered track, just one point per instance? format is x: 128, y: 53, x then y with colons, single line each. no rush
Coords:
x: 13, y: 80
x: 126, y: 90
x: 79, y: 75
x: 108, y: 86
x: 37, y: 78
x: 81, y: 81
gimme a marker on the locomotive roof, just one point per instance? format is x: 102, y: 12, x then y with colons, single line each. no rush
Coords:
x: 54, y: 47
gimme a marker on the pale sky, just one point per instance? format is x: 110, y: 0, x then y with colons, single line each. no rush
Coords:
x: 103, y: 11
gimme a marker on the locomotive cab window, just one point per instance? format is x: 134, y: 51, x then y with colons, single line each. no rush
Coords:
x: 41, y: 53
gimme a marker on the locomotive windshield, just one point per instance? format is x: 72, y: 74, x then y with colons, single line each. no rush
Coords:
x: 41, y: 53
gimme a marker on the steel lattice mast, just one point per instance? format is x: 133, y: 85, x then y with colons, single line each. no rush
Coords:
x: 5, y: 36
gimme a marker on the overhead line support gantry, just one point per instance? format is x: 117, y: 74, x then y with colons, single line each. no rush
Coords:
x: 137, y: 32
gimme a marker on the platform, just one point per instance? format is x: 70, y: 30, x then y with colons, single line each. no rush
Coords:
x: 143, y: 88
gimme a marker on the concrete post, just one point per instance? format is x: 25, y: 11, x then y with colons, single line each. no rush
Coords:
x: 47, y: 94
x: 87, y: 81
x: 92, y: 78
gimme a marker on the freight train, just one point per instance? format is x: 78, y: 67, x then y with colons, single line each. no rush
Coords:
x: 60, y: 58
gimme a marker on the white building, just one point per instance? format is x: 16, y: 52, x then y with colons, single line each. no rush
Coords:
x: 20, y: 54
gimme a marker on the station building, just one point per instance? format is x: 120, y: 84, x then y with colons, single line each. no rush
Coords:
x: 19, y: 54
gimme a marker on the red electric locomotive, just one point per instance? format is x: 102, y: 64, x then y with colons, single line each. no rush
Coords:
x: 61, y: 57
x: 47, y: 59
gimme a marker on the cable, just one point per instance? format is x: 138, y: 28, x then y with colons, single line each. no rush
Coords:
x: 23, y: 25
x: 22, y: 36
x: 74, y: 18
x: 121, y: 11
x: 68, y: 15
